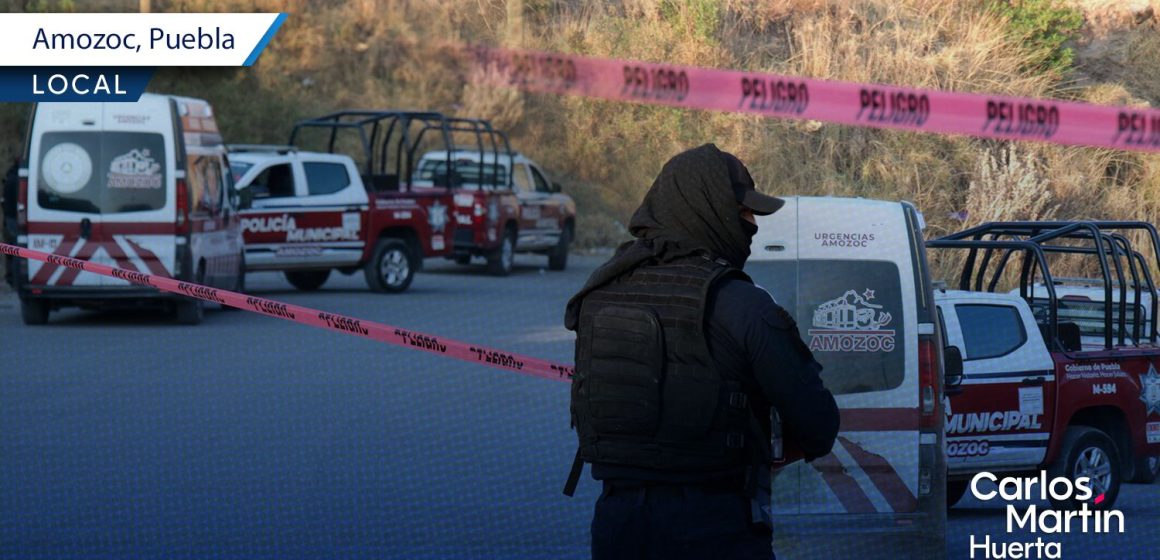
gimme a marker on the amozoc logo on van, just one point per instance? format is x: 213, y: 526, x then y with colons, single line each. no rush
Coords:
x: 135, y: 170
x: 851, y: 323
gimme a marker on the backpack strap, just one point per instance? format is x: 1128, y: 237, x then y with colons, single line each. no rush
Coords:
x: 574, y: 475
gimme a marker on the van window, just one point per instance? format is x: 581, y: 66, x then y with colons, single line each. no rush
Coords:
x: 102, y: 172
x: 849, y: 314
x: 326, y: 178
x: 276, y: 181
x: 990, y: 331
x: 204, y: 175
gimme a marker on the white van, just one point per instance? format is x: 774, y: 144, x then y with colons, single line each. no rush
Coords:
x: 143, y: 186
x: 853, y: 273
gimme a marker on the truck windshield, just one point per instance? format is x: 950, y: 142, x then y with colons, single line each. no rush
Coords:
x: 96, y: 172
x: 238, y: 169
x: 465, y: 174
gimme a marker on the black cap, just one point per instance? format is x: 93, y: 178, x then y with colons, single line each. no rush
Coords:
x: 744, y: 190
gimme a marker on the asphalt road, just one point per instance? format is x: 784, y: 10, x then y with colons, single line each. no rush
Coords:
x: 125, y: 435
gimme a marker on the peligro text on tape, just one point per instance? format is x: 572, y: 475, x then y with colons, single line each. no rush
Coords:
x: 872, y: 105
x: 340, y: 323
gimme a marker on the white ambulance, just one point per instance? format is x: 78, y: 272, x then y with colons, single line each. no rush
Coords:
x: 853, y: 273
x: 143, y: 186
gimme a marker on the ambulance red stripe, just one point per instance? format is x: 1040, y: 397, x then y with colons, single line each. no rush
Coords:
x: 120, y: 228
x: 65, y: 249
x: 847, y: 490
x: 879, y: 419
x: 883, y: 475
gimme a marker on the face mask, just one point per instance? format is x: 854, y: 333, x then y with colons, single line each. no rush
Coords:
x: 749, y: 229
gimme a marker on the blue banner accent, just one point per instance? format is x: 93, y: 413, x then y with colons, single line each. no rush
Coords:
x: 73, y: 83
x: 261, y: 46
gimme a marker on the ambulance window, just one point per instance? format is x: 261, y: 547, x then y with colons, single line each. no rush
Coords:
x: 276, y: 181
x: 101, y: 172
x: 326, y: 178
x: 990, y: 331
x: 204, y: 176
x: 849, y: 314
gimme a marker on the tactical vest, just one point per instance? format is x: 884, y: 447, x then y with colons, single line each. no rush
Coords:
x: 646, y: 392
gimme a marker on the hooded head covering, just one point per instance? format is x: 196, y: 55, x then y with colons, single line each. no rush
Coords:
x: 692, y: 207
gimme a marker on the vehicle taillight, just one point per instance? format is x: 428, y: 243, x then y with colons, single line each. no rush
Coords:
x: 183, y: 225
x: 22, y: 203
x: 927, y: 380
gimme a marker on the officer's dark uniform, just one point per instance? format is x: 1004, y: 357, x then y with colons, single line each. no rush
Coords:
x: 679, y: 358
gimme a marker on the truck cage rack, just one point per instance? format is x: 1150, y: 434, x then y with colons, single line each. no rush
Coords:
x: 379, y: 131
x: 1037, y: 239
x: 265, y: 148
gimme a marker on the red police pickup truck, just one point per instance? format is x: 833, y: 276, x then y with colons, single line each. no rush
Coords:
x: 503, y: 201
x: 1033, y: 396
x: 503, y: 204
x: 308, y: 213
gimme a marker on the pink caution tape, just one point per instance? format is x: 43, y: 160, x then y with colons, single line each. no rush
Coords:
x: 473, y: 353
x: 873, y: 105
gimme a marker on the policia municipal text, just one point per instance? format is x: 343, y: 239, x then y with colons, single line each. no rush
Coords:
x: 681, y: 361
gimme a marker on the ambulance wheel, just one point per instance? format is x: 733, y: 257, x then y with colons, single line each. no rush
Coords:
x: 34, y: 311
x: 392, y: 268
x: 1088, y: 452
x: 190, y: 311
x: 239, y: 282
x: 558, y: 258
x: 1145, y: 470
x: 956, y: 489
x: 307, y: 280
x: 501, y: 261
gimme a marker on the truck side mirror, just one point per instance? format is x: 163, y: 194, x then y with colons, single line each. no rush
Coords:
x: 556, y: 187
x: 245, y: 198
x: 952, y: 369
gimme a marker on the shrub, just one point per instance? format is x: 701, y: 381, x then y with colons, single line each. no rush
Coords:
x: 1045, y: 27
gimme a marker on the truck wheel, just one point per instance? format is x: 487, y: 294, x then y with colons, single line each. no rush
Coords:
x: 1146, y: 469
x: 190, y: 311
x: 34, y: 311
x: 239, y: 282
x: 392, y: 268
x: 501, y: 261
x: 307, y: 280
x: 558, y: 257
x: 956, y: 489
x: 1088, y: 452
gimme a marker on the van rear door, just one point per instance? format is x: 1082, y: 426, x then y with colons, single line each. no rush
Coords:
x: 99, y: 187
x: 846, y: 269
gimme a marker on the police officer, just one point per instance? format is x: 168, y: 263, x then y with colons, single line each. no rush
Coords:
x: 681, y: 361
